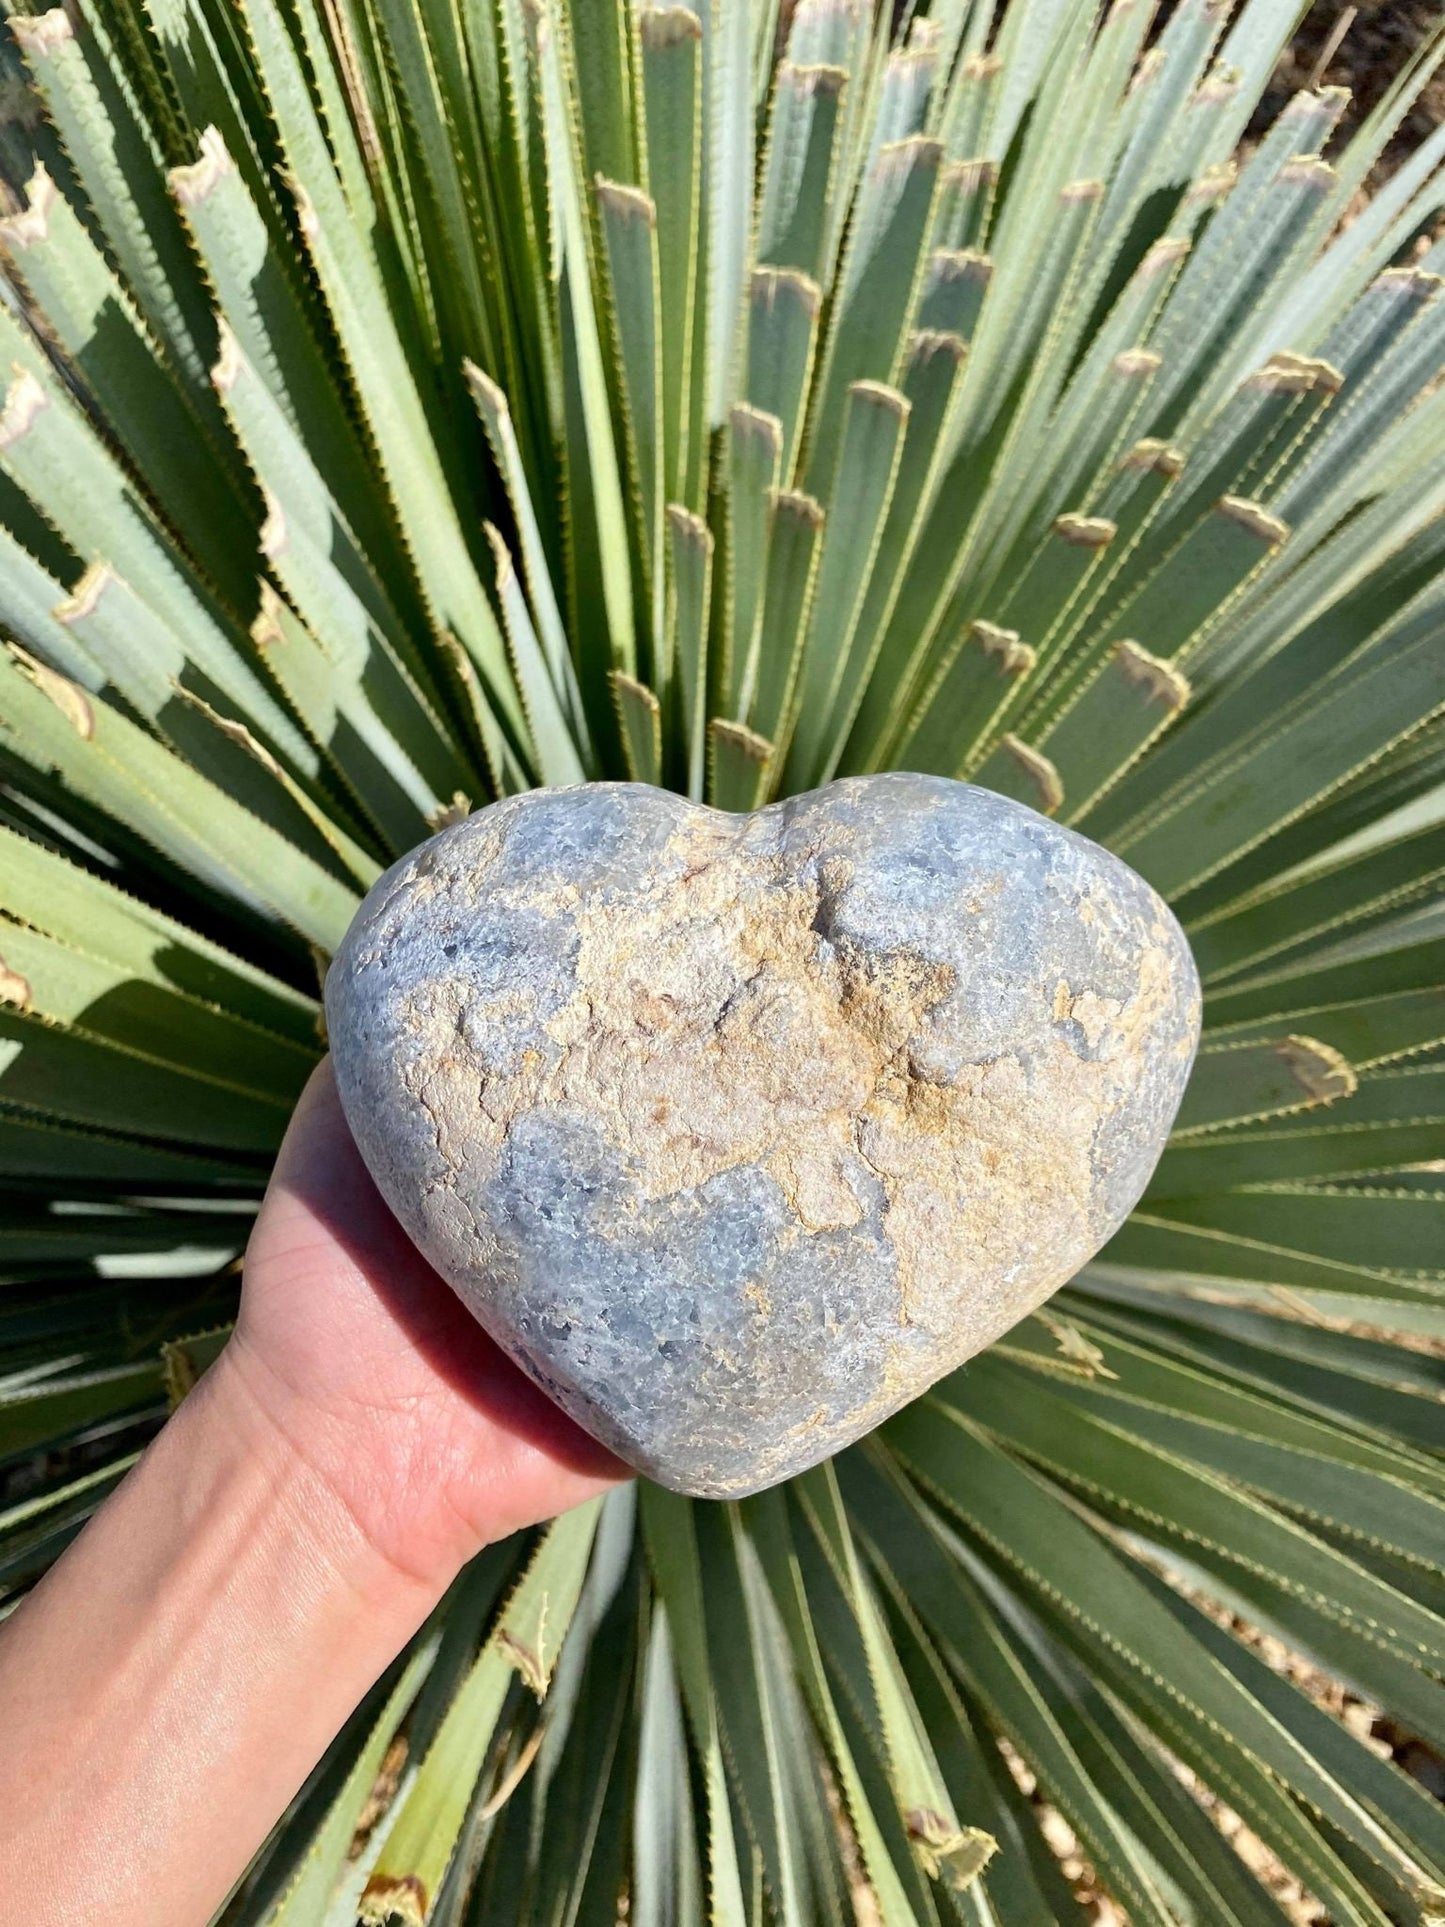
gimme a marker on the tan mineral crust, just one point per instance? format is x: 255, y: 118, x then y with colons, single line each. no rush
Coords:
x: 737, y: 1132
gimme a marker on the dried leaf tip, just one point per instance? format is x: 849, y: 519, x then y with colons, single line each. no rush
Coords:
x: 1417, y: 284
x: 616, y: 197
x: 1039, y: 771
x: 921, y: 53
x: 1014, y: 658
x: 32, y: 224
x: 24, y: 400
x: 662, y: 27
x: 968, y: 177
x: 40, y: 34
x: 69, y: 698
x: 307, y: 218
x: 927, y: 342
x: 447, y: 815
x: 1257, y: 520
x: 802, y: 508
x: 959, y: 264
x: 1218, y: 88
x: 1319, y: 1069
x: 639, y: 716
x: 236, y: 732
x: 900, y: 157
x: 635, y: 691
x: 1075, y: 1351
x: 755, y: 747
x: 273, y: 529
x: 745, y: 419
x: 1162, y: 457
x: 229, y: 363
x: 1299, y: 374
x: 1213, y: 184
x: 877, y: 394
x: 84, y: 598
x: 1308, y: 101
x: 485, y: 391
x: 1147, y: 69
x: 687, y: 527
x: 1086, y: 531
x: 532, y: 1662
x: 266, y: 630
x: 1308, y: 170
x: 806, y: 82
x: 389, y: 1900
x: 768, y: 283
x: 501, y: 556
x: 1161, y: 682
x: 14, y: 989
x: 192, y: 183
x: 948, y: 1852
x: 1166, y: 253
x: 1328, y: 380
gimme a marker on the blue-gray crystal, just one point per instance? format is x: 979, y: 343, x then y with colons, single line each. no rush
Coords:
x: 737, y: 1132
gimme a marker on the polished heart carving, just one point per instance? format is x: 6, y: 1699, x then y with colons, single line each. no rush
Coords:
x: 737, y: 1132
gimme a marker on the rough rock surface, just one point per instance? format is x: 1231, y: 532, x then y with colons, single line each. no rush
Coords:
x: 739, y: 1131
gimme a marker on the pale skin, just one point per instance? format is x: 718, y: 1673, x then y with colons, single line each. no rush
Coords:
x: 169, y: 1684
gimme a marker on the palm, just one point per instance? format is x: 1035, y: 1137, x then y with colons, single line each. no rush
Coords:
x: 433, y: 1440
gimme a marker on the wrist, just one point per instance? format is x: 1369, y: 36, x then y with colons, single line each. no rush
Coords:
x: 324, y: 1481
x: 181, y: 1669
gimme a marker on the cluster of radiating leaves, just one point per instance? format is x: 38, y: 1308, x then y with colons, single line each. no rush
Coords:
x: 408, y: 403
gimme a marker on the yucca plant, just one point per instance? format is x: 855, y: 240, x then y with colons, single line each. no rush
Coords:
x: 409, y: 403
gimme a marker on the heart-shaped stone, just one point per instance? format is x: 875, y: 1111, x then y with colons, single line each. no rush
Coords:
x: 738, y: 1131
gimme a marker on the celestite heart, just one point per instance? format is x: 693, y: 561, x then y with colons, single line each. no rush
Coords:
x: 738, y: 1131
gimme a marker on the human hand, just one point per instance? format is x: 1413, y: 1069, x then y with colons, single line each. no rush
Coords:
x: 169, y: 1684
x: 377, y: 1375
